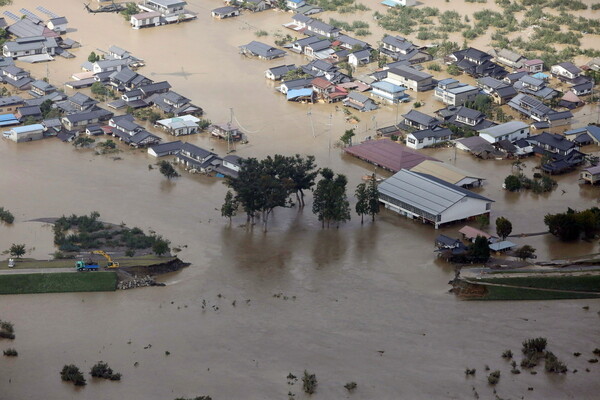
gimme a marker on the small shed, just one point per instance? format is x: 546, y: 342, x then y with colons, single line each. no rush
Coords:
x: 471, y: 233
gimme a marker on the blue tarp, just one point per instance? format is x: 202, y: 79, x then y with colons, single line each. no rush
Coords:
x: 390, y: 3
x: 541, y: 75
x: 8, y: 119
x: 295, y: 93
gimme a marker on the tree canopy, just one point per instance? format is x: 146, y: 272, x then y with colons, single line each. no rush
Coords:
x: 503, y: 227
x: 166, y: 168
x: 480, y: 250
x: 330, y: 202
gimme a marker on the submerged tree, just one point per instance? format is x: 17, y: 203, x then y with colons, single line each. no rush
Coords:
x: 301, y: 172
x: 346, y: 138
x: 330, y: 201
x: 361, y: 206
x: 373, y: 197
x: 17, y: 250
x: 229, y: 207
x: 166, y: 168
x: 480, y: 250
x: 503, y: 227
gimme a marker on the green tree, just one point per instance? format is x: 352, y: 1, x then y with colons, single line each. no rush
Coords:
x: 362, y: 202
x: 17, y: 250
x: 71, y: 373
x: 453, y: 70
x: 330, y: 203
x: 300, y: 172
x: 93, y: 57
x: 166, y: 168
x: 229, y: 207
x: 480, y: 250
x: 130, y: 9
x: 483, y: 220
x: 160, y: 246
x: 525, y: 252
x: 503, y: 227
x: 373, y: 197
x: 563, y: 225
x: 346, y: 138
x: 512, y: 183
x: 99, y: 89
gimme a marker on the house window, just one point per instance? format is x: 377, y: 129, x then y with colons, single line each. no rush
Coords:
x: 411, y: 140
x: 420, y: 140
x: 488, y: 206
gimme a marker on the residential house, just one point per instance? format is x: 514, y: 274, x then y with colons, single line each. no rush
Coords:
x: 139, y: 139
x: 315, y: 26
x: 29, y: 113
x: 511, y: 131
x: 389, y: 92
x: 538, y: 111
x: 594, y: 64
x: 58, y: 24
x: 27, y: 46
x: 359, y: 102
x: 416, y: 120
x: 320, y: 50
x: 590, y: 175
x: 454, y: 93
x: 402, y: 50
x: 261, y: 50
x: 78, y: 121
x: 81, y: 102
x: 299, y: 45
x: 350, y: 43
x: 172, y: 102
x: 478, y: 146
x: 17, y: 77
x: 166, y: 8
x: 277, y: 73
x: 592, y: 132
x: 116, y: 52
x: 10, y: 103
x: 126, y: 79
x: 428, y: 137
x: 465, y: 118
x: 196, y: 159
x: 510, y: 58
x: 125, y: 123
x: 359, y: 58
x: 109, y: 65
x: 387, y: 154
x: 411, y: 78
x: 293, y: 84
x: 429, y: 199
x: 165, y: 149
x: 535, y: 87
x: 570, y: 101
x: 25, y: 133
x: 309, y: 9
x: 500, y: 91
x: 514, y: 77
x: 399, y: 3
x: 294, y: 4
x: 564, y: 154
x: 227, y: 131
x: 41, y: 88
x: 327, y: 91
x: 583, y: 89
x: 94, y: 130
x: 52, y: 126
x: 533, y: 66
x: 477, y: 63
x: 225, y: 12
x: 565, y: 71
x: 146, y: 19
x: 155, y: 88
x: 230, y: 166
x: 25, y: 27
x: 177, y: 126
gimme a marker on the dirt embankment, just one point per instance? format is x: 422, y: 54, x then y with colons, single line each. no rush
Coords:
x: 142, y: 276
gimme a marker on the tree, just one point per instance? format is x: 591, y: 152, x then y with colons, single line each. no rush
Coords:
x: 309, y: 382
x: 346, y: 138
x: 525, y: 252
x: 362, y: 203
x: 453, y: 70
x: 93, y: 57
x: 301, y: 173
x: 503, y: 227
x: 160, y: 246
x: 71, y: 373
x: 373, y: 197
x: 483, y: 220
x: 130, y: 9
x: 512, y: 183
x: 99, y: 89
x: 330, y: 203
x: 563, y: 225
x: 166, y: 168
x: 229, y: 207
x: 17, y: 250
x: 480, y: 250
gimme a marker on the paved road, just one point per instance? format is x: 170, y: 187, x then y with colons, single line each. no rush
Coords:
x: 34, y: 270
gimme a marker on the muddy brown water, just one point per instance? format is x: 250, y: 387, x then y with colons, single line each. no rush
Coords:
x: 359, y: 289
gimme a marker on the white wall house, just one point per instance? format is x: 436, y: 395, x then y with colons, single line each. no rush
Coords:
x: 565, y: 70
x: 25, y: 133
x: 410, y: 78
x: 429, y: 199
x: 428, y: 137
x: 511, y: 131
x: 165, y: 7
x: 452, y: 92
x: 145, y: 19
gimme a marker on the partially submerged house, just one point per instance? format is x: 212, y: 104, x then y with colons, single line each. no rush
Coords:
x: 477, y: 63
x: 510, y: 58
x: 277, y: 73
x: 261, y: 50
x: 25, y: 133
x: 387, y: 154
x: 448, y: 173
x: 454, y: 93
x: 564, y: 154
x: 565, y: 71
x: 590, y: 175
x: 465, y: 118
x: 536, y: 87
x: 177, y: 126
x: 359, y: 102
x: 388, y: 91
x: 17, y: 77
x: 500, y: 91
x: 416, y: 120
x: 538, y: 111
x: 225, y: 12
x: 79, y: 121
x: 428, y: 137
x: 429, y: 199
x: 28, y: 46
x: 197, y: 159
x: 511, y: 131
x: 411, y: 78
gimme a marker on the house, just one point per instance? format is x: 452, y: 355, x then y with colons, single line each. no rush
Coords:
x: 230, y: 166
x: 125, y: 123
x: 403, y: 50
x: 299, y: 45
x: 477, y: 63
x: 464, y: 117
x: 155, y: 88
x: 227, y: 131
x: 553, y: 143
x: 172, y: 102
x: 510, y: 58
x: 500, y: 91
x: 58, y: 24
x: 538, y: 111
x: 116, y: 52
x: 327, y: 91
x: 387, y: 154
x: 139, y: 139
x: 583, y: 89
x: 399, y: 3
x: 126, y: 79
x: 165, y: 149
x: 25, y: 133
x: 454, y: 93
x: 350, y: 43
x: 469, y: 233
x: 429, y: 199
x: 570, y: 101
x: 321, y: 28
x: 388, y: 91
x: 449, y: 247
x: 8, y: 120
x: 261, y: 50
x: 52, y: 126
x: 277, y: 73
x: 411, y: 78
x: 28, y: 113
x: 294, y: 4
x: 78, y: 121
x: 590, y: 175
x: 511, y: 131
x: 428, y: 137
x: 17, y: 77
x: 359, y: 102
x: 94, y: 130
x: 359, y: 58
x: 293, y: 84
x: 25, y: 27
x: 565, y: 71
x: 27, y: 46
x: 109, y: 65
x: 478, y: 146
x: 533, y: 66
x: 81, y: 102
x: 536, y: 87
x: 448, y: 173
x: 145, y: 19
x: 320, y: 49
x: 177, y: 126
x: 416, y: 120
x: 41, y: 88
x: 166, y: 8
x: 225, y: 12
x: 196, y: 159
x: 593, y: 132
x: 10, y: 103
x: 513, y: 77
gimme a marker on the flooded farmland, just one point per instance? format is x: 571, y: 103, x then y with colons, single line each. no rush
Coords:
x: 365, y: 303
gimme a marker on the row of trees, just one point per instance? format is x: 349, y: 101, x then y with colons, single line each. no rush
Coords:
x: 571, y: 224
x: 263, y: 185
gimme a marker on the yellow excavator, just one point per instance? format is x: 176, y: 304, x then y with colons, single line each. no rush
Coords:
x: 111, y: 263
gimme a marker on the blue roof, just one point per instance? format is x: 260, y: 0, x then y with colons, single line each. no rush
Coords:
x: 388, y: 87
x: 390, y: 3
x: 27, y: 128
x: 6, y: 117
x: 293, y: 93
x: 540, y: 75
x: 296, y: 1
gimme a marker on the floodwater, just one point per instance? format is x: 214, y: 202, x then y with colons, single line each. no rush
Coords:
x: 365, y: 303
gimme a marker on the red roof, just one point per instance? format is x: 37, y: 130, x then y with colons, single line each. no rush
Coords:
x: 321, y: 83
x: 387, y: 154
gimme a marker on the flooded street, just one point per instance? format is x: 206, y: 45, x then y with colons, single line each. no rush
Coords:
x: 365, y: 303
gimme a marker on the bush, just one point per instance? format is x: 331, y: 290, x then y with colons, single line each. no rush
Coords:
x: 71, y: 373
x: 494, y: 377
x: 7, y: 331
x: 11, y: 352
x: 350, y: 386
x: 512, y: 183
x: 533, y: 346
x: 309, y: 382
x: 507, y: 354
x: 553, y: 364
x: 6, y: 216
x: 434, y: 67
x: 102, y: 370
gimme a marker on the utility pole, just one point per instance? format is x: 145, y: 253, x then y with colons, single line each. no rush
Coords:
x: 330, y: 129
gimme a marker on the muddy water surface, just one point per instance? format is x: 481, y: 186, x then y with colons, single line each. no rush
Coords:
x: 370, y: 300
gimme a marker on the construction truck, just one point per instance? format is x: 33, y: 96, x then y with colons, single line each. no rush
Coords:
x: 84, y: 266
x: 110, y: 262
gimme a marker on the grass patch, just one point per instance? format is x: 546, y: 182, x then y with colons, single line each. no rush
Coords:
x: 585, y: 283
x: 58, y: 282
x: 139, y: 261
x: 505, y: 293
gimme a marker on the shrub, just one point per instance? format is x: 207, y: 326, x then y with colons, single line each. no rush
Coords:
x: 469, y: 371
x: 350, y: 386
x: 309, y: 382
x: 71, y: 373
x: 494, y: 377
x: 261, y: 33
x: 6, y: 216
x: 507, y: 354
x: 533, y: 346
x: 512, y: 183
x: 11, y: 352
x: 434, y: 67
x: 553, y: 364
x: 102, y: 370
x: 7, y: 331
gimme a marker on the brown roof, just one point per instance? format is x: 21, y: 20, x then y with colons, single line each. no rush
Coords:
x: 387, y: 154
x: 472, y: 233
x: 321, y: 83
